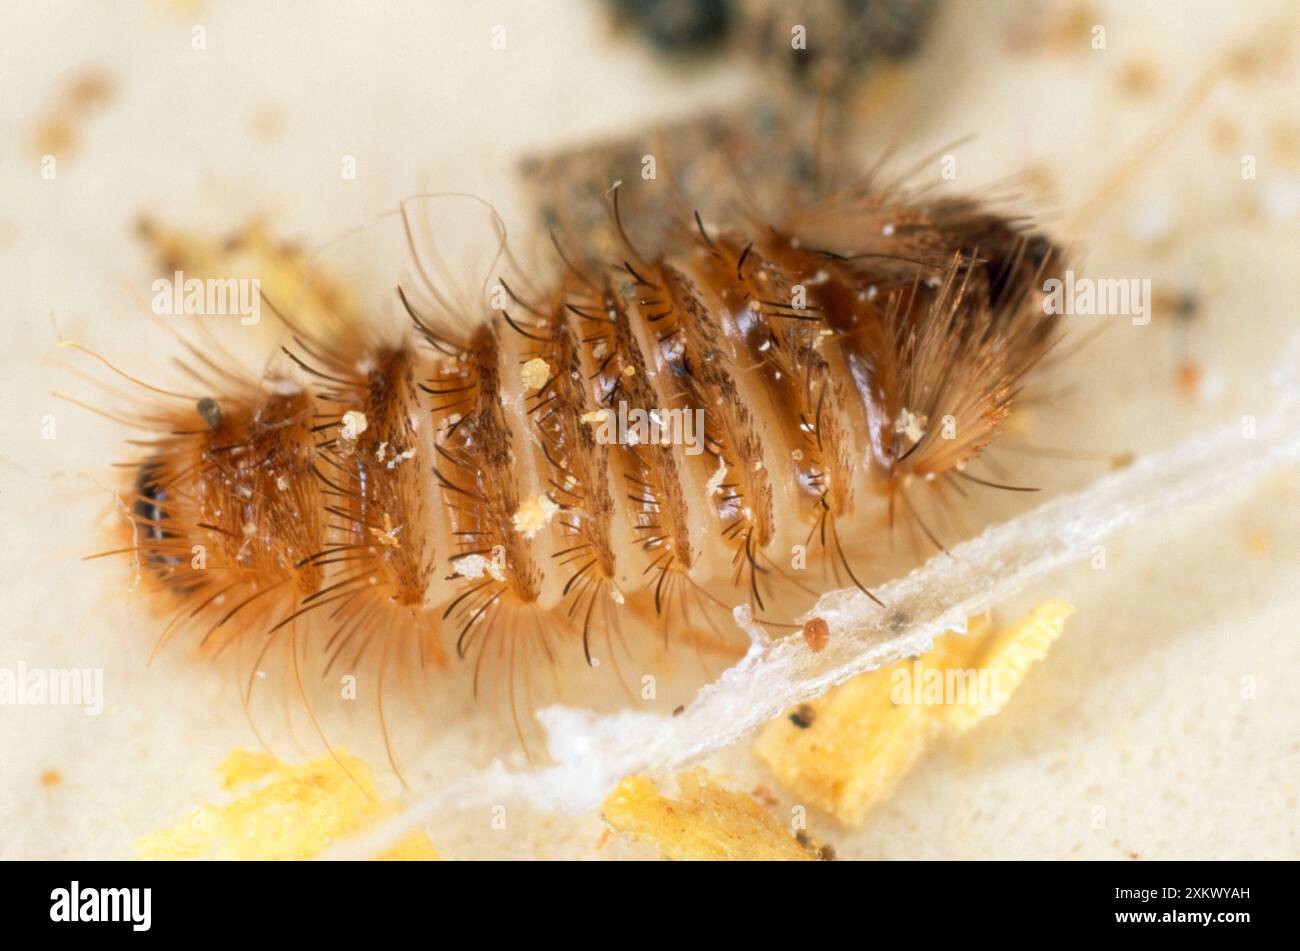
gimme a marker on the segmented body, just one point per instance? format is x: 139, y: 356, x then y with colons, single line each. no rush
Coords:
x: 470, y: 477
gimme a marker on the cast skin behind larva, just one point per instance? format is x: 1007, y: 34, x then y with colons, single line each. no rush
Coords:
x: 689, y: 431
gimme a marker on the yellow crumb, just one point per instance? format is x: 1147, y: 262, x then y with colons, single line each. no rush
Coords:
x: 845, y: 751
x: 354, y: 424
x: 287, y: 812
x: 1007, y: 656
x: 387, y: 536
x: 535, y: 373
x: 321, y: 301
x: 708, y: 822
x: 534, y: 515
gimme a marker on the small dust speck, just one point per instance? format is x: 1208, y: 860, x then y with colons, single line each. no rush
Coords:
x: 803, y: 716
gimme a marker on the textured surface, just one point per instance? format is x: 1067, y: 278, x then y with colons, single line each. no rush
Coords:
x: 1162, y: 722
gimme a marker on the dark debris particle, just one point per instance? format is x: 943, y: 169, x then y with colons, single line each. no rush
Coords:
x: 210, y: 411
x: 803, y: 716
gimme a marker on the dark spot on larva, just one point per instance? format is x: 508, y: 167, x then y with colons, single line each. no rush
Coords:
x: 803, y: 716
x: 210, y: 411
x: 898, y: 621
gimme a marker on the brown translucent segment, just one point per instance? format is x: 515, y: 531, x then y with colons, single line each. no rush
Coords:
x: 253, y: 479
x: 372, y: 515
x: 576, y: 468
x: 647, y: 475
x: 777, y: 329
x: 779, y: 336
x: 696, y: 368
x: 474, y: 470
x: 381, y: 504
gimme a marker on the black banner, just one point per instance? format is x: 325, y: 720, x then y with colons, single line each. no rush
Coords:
x: 939, y: 899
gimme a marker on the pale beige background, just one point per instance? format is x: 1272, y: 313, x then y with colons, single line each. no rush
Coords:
x: 1162, y: 725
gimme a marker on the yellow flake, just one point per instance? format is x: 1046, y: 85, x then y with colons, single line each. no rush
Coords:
x: 534, y: 515
x: 1007, y: 656
x: 323, y: 303
x: 289, y: 812
x: 535, y: 373
x: 846, y: 751
x: 354, y: 424
x: 387, y: 536
x: 708, y: 822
